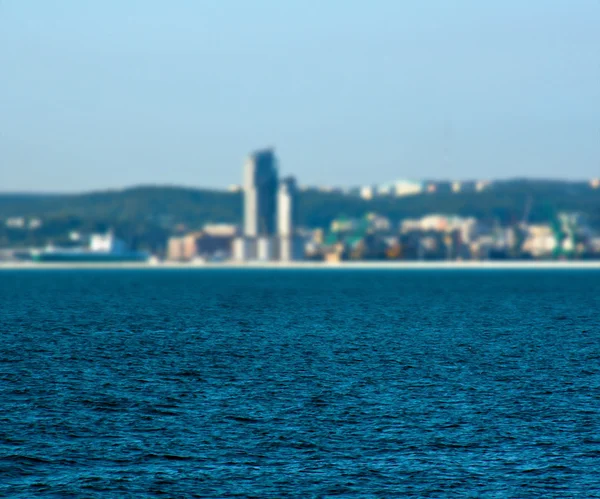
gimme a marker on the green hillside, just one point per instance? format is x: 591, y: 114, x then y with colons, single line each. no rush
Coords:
x: 145, y: 216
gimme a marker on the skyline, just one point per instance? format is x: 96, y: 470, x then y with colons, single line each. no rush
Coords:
x: 109, y: 95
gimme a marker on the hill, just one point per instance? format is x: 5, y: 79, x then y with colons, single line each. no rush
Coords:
x: 146, y: 215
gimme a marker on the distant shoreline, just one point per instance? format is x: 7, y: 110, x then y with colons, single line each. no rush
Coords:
x: 415, y: 265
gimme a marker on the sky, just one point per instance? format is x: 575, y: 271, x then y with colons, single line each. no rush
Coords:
x: 114, y: 93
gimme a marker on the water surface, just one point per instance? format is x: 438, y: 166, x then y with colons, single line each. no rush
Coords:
x: 279, y: 383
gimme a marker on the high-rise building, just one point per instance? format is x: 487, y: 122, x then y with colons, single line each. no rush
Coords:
x: 269, y: 213
x: 260, y: 191
x: 290, y: 247
x: 286, y: 207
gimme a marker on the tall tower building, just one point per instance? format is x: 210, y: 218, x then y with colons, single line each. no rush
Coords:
x: 260, y: 208
x: 269, y: 213
x: 290, y: 247
x: 260, y: 191
x: 286, y: 207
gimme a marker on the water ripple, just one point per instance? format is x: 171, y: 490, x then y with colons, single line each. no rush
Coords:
x: 119, y: 384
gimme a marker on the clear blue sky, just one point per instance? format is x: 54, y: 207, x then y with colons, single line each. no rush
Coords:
x: 112, y: 93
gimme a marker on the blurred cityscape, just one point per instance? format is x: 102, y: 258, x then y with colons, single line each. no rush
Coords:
x: 271, y: 219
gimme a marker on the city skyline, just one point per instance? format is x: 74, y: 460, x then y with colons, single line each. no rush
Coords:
x: 112, y: 94
x: 446, y: 220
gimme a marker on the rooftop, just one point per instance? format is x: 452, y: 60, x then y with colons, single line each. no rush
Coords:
x: 262, y: 153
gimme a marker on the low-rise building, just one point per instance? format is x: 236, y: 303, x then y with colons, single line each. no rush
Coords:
x: 15, y: 222
x: 199, y: 245
x: 244, y: 249
x: 540, y: 241
x: 378, y: 223
x: 594, y: 245
x: 343, y: 224
x: 368, y: 192
x: 34, y: 223
x: 463, y: 187
x: 221, y: 230
x: 335, y: 253
x: 182, y: 248
x: 408, y: 188
x: 482, y: 185
x: 437, y: 223
x: 385, y: 190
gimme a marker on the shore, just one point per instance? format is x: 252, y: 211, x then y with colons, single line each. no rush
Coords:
x: 401, y: 265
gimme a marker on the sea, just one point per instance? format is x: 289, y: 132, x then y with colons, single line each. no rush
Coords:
x: 273, y: 383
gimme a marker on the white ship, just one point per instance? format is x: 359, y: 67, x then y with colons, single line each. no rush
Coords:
x: 103, y: 248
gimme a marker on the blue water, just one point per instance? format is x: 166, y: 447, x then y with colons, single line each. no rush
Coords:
x: 257, y: 383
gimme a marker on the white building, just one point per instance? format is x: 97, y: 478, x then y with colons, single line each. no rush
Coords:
x: 220, y: 229
x: 35, y: 223
x: 540, y: 240
x: 385, y: 190
x: 468, y: 227
x: 15, y: 222
x: 244, y: 249
x: 106, y: 242
x: 291, y: 248
x: 289, y: 244
x: 367, y: 192
x: 482, y: 185
x: 408, y: 188
x: 266, y: 249
x: 286, y: 207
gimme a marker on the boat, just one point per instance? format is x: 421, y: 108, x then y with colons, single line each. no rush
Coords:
x: 103, y: 248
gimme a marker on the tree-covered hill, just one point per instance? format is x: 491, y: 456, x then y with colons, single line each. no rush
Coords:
x: 147, y: 215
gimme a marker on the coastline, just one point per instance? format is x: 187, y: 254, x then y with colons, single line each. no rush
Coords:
x: 379, y: 265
